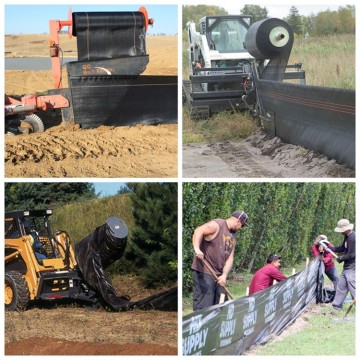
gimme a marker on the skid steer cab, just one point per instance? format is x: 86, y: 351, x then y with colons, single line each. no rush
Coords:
x: 39, y: 263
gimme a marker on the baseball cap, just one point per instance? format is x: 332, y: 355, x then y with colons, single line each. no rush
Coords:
x: 272, y: 258
x: 242, y: 216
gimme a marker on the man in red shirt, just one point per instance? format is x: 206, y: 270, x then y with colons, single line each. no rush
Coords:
x: 266, y: 275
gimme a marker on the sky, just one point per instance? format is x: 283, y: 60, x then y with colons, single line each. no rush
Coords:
x: 279, y: 9
x: 34, y: 19
x: 107, y: 188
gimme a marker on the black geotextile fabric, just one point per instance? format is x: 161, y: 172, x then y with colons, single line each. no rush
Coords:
x: 233, y: 327
x: 124, y: 101
x: 318, y: 118
x: 96, y: 252
x: 259, y: 45
x: 99, y: 250
x: 107, y: 35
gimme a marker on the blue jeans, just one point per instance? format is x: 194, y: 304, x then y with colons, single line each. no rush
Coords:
x: 333, y: 276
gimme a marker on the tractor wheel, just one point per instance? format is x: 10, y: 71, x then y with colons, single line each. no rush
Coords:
x: 17, y: 294
x: 33, y: 123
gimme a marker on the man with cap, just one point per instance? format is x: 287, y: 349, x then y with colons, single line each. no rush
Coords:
x: 326, y: 257
x: 214, y: 242
x: 266, y: 275
x: 347, y: 279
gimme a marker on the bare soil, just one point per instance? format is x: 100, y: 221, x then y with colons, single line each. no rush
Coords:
x: 137, y: 152
x: 75, y: 330
x: 258, y: 156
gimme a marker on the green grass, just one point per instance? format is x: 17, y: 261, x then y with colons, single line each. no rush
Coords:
x: 220, y: 127
x: 318, y: 335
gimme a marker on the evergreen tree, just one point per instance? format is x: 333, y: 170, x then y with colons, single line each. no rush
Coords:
x: 295, y: 21
x: 22, y: 196
x: 257, y: 12
x: 153, y: 245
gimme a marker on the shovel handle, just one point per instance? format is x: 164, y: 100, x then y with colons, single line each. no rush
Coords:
x: 208, y: 266
x: 350, y: 307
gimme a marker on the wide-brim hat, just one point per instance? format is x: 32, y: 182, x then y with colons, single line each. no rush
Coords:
x: 343, y: 225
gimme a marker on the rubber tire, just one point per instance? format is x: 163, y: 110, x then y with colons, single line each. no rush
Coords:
x: 35, y: 122
x: 21, y: 294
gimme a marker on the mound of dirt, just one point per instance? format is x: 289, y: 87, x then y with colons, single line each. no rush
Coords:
x: 138, y: 151
x: 258, y: 156
x: 297, y: 160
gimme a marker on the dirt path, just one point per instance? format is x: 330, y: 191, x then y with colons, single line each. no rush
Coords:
x: 49, y: 329
x: 138, y: 151
x: 258, y: 156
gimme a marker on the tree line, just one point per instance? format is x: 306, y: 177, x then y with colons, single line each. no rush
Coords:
x: 285, y: 218
x: 152, y: 243
x: 323, y: 23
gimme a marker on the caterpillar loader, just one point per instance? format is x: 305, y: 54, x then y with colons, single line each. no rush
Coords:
x: 41, y: 264
x: 28, y: 278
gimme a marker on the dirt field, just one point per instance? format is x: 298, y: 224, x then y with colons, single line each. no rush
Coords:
x: 140, y: 151
x: 258, y: 156
x: 74, y: 330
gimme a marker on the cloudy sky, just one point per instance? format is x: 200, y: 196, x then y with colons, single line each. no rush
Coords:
x: 280, y: 9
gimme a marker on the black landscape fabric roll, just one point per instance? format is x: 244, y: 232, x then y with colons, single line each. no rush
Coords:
x: 107, y: 35
x: 99, y: 250
x: 270, y: 39
x: 96, y: 252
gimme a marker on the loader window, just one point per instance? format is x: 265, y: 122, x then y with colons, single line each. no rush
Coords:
x: 228, y: 36
x: 11, y: 229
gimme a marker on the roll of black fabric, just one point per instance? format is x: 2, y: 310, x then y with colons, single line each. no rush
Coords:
x: 270, y: 39
x: 96, y: 252
x: 108, y: 35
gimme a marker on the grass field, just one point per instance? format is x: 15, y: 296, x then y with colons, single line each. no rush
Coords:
x: 313, y: 333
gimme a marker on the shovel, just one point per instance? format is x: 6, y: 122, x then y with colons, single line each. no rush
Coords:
x: 208, y: 266
x: 345, y: 318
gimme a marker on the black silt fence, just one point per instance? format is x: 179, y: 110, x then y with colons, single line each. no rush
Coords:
x: 318, y: 118
x: 233, y: 327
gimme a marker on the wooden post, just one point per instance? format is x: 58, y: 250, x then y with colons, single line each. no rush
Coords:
x: 293, y: 272
x: 307, y: 262
x: 247, y: 291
